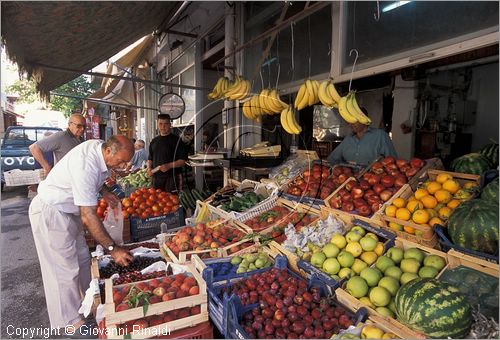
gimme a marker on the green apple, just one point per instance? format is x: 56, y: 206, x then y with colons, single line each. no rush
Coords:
x: 368, y: 243
x: 371, y: 275
x: 345, y: 259
x: 428, y: 272
x: 434, y: 261
x: 410, y: 266
x: 407, y: 277
x: 393, y: 271
x: 357, y: 286
x: 414, y: 253
x: 385, y: 311
x: 353, y: 236
x: 384, y: 262
x: 317, y: 259
x: 339, y: 241
x: 331, y: 250
x: 346, y: 272
x: 372, y: 235
x: 389, y: 283
x: 396, y: 254
x: 380, y: 296
x: 358, y: 230
x: 331, y: 266
x: 358, y: 266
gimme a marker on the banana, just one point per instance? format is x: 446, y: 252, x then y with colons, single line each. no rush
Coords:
x: 274, y: 103
x: 280, y: 102
x: 310, y: 92
x: 332, y: 91
x: 305, y: 100
x: 300, y: 96
x: 348, y: 117
x: 216, y: 93
x: 323, y: 95
x: 256, y: 109
x: 292, y: 123
x: 363, y: 119
x: 264, y: 101
x: 242, y: 90
x: 246, y: 110
x: 284, y: 121
x: 316, y: 89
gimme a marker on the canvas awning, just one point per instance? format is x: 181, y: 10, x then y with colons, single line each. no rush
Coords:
x: 75, y: 34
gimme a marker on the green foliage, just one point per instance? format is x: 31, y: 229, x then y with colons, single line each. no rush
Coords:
x: 80, y: 87
x: 26, y: 91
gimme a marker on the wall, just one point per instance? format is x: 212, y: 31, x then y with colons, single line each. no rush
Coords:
x: 211, y: 108
x: 404, y: 104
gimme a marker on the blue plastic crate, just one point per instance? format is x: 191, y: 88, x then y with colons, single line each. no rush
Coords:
x: 236, y: 310
x: 314, y: 202
x: 143, y: 229
x: 488, y: 176
x: 446, y: 245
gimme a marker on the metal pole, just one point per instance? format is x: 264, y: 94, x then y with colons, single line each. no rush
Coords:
x: 103, y: 101
x: 135, y: 80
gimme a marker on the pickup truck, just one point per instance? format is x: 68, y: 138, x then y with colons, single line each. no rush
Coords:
x: 15, y: 147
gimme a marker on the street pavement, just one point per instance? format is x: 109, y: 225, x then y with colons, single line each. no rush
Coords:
x: 22, y: 296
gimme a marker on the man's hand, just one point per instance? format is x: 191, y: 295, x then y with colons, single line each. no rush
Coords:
x: 121, y: 256
x: 150, y: 172
x: 165, y: 167
x: 46, y: 170
x: 110, y: 198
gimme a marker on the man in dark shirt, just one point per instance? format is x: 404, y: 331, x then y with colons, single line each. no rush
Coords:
x: 167, y: 156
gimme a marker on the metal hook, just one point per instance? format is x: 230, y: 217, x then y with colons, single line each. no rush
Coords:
x: 353, y: 65
x: 377, y: 15
x: 261, y: 80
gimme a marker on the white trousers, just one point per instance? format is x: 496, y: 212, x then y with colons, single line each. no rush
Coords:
x: 64, y: 261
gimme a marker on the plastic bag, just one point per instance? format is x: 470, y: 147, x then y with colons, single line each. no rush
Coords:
x: 113, y: 223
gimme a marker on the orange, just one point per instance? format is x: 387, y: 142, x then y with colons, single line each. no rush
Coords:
x: 391, y: 210
x: 443, y: 196
x: 429, y: 201
x: 432, y: 212
x: 451, y: 186
x: 395, y: 226
x: 414, y: 205
x: 444, y: 213
x: 399, y: 202
x: 420, y: 216
x: 453, y: 204
x: 436, y: 220
x: 409, y: 229
x: 470, y: 185
x: 432, y: 187
x: 421, y: 193
x: 412, y: 198
x: 403, y: 214
x: 441, y: 178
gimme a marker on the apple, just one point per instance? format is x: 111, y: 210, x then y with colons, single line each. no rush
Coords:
x: 416, y: 162
x: 364, y: 185
x: 357, y: 192
x: 392, y: 166
x: 372, y: 198
x: 400, y: 180
x: 337, y: 170
x: 367, y: 176
x: 394, y: 172
x: 364, y: 210
x: 347, y: 206
x: 346, y: 197
x: 378, y: 188
x: 342, y: 192
x: 405, y: 168
x: 374, y: 179
x: 349, y: 185
x: 342, y: 178
x: 377, y: 168
x: 375, y: 207
x: 386, y: 195
x: 388, y: 160
x: 401, y: 162
x: 359, y: 202
x: 411, y: 172
x: 159, y: 291
x: 387, y: 181
x: 336, y: 202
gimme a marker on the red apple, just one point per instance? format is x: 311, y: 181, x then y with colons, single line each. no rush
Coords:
x: 377, y: 168
x: 346, y: 197
x: 387, y: 181
x: 401, y: 162
x: 411, y: 172
x: 417, y: 162
x: 357, y: 192
x: 347, y: 206
x: 374, y: 179
x: 342, y: 178
x: 399, y: 181
x: 375, y: 207
x: 337, y: 171
x: 349, y: 185
x: 364, y: 210
x: 386, y: 195
x: 359, y: 202
x: 388, y: 160
x: 364, y: 185
x: 378, y: 188
x: 336, y: 202
x: 367, y: 176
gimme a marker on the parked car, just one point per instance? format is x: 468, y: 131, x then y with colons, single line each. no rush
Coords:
x: 15, y: 147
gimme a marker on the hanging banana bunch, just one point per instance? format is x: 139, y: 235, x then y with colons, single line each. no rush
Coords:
x: 270, y: 101
x: 307, y: 95
x: 219, y: 88
x: 328, y: 94
x: 350, y: 110
x: 238, y: 90
x: 289, y: 122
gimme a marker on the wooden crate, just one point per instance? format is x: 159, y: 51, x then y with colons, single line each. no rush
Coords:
x: 184, y: 256
x: 431, y: 163
x: 461, y: 178
x: 456, y: 259
x: 291, y: 206
x: 396, y: 327
x: 113, y: 318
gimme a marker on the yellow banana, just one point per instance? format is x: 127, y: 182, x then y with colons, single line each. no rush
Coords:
x: 263, y: 101
x: 323, y: 95
x: 332, y: 92
x: 310, y: 92
x: 305, y: 100
x: 241, y: 92
x: 216, y: 90
x: 274, y: 102
x: 233, y: 88
x: 346, y: 115
x: 316, y: 89
x: 355, y: 110
x: 280, y: 102
x: 246, y: 110
x: 257, y: 110
x: 292, y: 123
x: 300, y: 96
x: 284, y: 122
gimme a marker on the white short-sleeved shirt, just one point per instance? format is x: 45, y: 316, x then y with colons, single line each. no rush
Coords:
x: 76, y: 179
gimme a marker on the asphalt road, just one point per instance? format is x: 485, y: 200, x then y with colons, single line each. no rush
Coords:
x: 22, y: 299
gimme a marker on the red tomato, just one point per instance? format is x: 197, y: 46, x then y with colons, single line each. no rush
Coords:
x: 143, y: 190
x: 155, y: 208
x: 125, y: 214
x: 130, y: 210
x: 126, y: 202
x: 175, y: 207
x: 144, y: 215
x: 151, y: 190
x: 100, y: 211
x: 163, y: 194
x: 169, y: 204
x: 150, y: 202
x: 161, y: 204
x: 158, y: 190
x: 143, y: 206
x: 133, y: 196
x: 166, y: 210
x: 175, y: 200
x: 136, y: 203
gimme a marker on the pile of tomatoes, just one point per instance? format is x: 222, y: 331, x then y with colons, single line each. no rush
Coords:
x: 144, y: 203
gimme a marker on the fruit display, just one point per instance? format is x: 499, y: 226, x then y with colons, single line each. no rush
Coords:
x: 137, y: 179
x: 250, y: 262
x: 102, y: 209
x: 490, y: 151
x: 136, y: 276
x: 266, y: 102
x: 201, y: 238
x: 365, y: 196
x: 289, y: 169
x: 474, y: 225
x: 237, y: 90
x: 188, y: 197
x: 307, y: 94
x: 348, y: 255
x: 148, y: 202
x: 238, y: 203
x: 432, y: 203
x: 472, y: 163
x: 137, y: 264
x: 317, y: 182
x: 490, y: 191
x: 150, y: 245
x: 350, y: 111
x: 376, y: 285
x: 327, y: 94
x: 367, y: 330
x: 434, y: 308
x: 285, y: 307
x: 154, y: 291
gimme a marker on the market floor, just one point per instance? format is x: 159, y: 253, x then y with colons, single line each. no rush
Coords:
x: 22, y: 298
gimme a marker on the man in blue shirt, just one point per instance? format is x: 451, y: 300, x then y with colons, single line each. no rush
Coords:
x: 140, y: 156
x: 363, y: 146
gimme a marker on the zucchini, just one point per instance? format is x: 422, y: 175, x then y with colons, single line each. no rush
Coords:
x: 189, y: 199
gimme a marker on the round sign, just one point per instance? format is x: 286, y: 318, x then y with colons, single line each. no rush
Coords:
x: 172, y: 104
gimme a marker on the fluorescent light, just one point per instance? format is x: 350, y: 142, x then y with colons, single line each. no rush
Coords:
x: 394, y: 6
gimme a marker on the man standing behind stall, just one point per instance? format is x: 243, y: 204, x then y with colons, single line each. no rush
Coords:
x: 167, y: 156
x: 67, y: 200
x: 59, y: 143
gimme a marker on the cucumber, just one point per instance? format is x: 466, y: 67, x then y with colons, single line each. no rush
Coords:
x: 184, y: 201
x: 192, y: 201
x: 206, y: 193
x: 197, y: 195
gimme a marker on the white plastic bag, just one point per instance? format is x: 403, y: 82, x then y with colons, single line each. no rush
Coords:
x: 113, y: 223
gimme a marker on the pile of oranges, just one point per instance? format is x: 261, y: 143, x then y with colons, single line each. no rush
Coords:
x: 430, y: 204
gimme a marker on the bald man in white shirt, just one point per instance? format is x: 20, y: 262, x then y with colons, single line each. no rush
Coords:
x: 67, y: 200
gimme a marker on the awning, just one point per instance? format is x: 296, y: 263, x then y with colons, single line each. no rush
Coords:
x: 74, y: 34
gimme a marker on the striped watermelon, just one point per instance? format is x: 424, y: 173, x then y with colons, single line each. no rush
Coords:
x: 434, y: 308
x: 472, y: 163
x: 490, y: 191
x: 474, y: 225
x: 490, y: 151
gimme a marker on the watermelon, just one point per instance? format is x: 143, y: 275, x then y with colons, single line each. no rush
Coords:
x: 490, y: 191
x: 474, y: 225
x: 472, y: 163
x: 434, y: 308
x: 490, y: 151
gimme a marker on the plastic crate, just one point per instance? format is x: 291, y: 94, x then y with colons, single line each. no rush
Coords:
x: 236, y: 311
x: 18, y: 177
x: 446, y: 245
x: 328, y: 280
x: 487, y: 177
x: 143, y: 229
